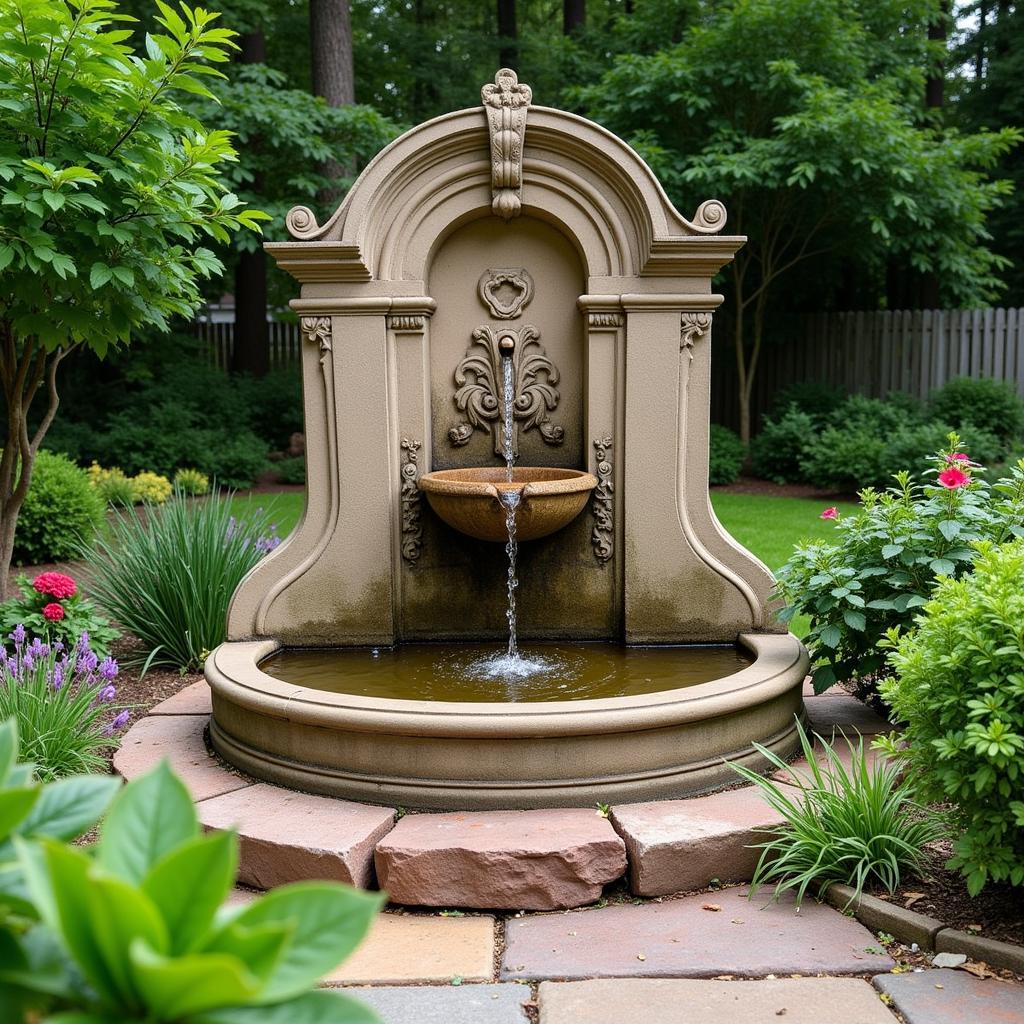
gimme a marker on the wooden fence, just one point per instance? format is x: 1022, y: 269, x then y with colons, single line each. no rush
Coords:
x: 219, y: 337
x: 873, y: 353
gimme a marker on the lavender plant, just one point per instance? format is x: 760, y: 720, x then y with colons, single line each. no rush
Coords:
x: 62, y: 699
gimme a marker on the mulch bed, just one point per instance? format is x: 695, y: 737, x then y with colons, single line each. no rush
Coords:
x: 754, y: 485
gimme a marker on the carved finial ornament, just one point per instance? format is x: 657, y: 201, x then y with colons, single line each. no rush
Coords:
x: 506, y: 103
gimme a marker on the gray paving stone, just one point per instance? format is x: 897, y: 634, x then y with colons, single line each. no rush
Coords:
x: 463, y: 1004
x: 953, y: 997
x: 834, y: 711
x: 794, y: 1001
x: 679, y: 938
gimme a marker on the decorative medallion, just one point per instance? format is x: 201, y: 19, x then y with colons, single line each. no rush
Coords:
x: 691, y: 327
x: 506, y: 103
x: 317, y: 329
x: 603, y: 506
x: 506, y: 292
x: 605, y: 320
x: 406, y: 322
x: 412, y: 531
x: 479, y: 387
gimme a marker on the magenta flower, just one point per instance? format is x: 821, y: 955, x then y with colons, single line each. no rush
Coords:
x: 830, y: 513
x: 953, y: 478
x: 958, y: 457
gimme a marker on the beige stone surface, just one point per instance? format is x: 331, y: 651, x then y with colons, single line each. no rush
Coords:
x: 286, y: 836
x: 179, y: 739
x: 530, y: 860
x: 678, y: 845
x: 193, y: 700
x: 794, y: 1001
x: 407, y: 948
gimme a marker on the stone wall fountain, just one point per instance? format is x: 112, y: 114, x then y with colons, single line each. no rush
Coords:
x: 507, y: 326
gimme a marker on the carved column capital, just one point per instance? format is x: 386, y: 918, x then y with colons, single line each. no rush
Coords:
x: 406, y: 321
x: 317, y: 329
x: 691, y: 327
x: 506, y: 103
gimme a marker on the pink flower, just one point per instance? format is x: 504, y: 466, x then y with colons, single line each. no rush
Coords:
x: 830, y: 513
x: 953, y: 478
x: 55, y: 584
x: 53, y: 611
x: 958, y: 457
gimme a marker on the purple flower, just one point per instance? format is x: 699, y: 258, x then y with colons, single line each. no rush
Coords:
x: 108, y: 668
x: 106, y: 695
x: 87, y: 663
x: 28, y: 661
x: 58, y: 677
x: 18, y: 636
x: 83, y: 642
x: 118, y: 723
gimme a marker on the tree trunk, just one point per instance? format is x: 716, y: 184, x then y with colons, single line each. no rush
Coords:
x: 979, y: 55
x: 935, y: 86
x: 508, y: 35
x: 574, y: 15
x: 330, y: 39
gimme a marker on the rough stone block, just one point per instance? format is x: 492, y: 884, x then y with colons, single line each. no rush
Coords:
x: 465, y: 1004
x: 179, y: 738
x: 677, y: 845
x: 952, y: 997
x: 689, y: 938
x: 518, y: 860
x: 193, y: 700
x: 977, y: 947
x: 795, y: 1001
x: 292, y: 837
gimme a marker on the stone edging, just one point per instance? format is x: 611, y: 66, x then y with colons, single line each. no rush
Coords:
x: 930, y: 934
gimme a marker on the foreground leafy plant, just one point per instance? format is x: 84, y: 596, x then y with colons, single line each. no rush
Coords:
x: 168, y: 575
x: 959, y: 687
x: 843, y: 824
x: 137, y: 931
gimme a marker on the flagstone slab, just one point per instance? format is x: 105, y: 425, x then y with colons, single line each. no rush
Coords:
x: 679, y: 845
x: 833, y: 712
x: 286, y: 836
x: 953, y: 997
x: 193, y: 700
x: 681, y: 938
x: 179, y: 739
x: 793, y: 1001
x: 423, y: 949
x: 463, y: 1004
x: 547, y: 859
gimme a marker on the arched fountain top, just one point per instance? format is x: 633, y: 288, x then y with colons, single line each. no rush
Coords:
x: 445, y: 172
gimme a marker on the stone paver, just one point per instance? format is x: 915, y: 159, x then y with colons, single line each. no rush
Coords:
x: 677, y: 845
x: 834, y: 711
x: 464, y: 1004
x: 794, y: 1001
x: 291, y: 837
x: 953, y: 997
x: 529, y: 860
x: 179, y: 738
x: 679, y: 938
x: 193, y: 700
x: 406, y: 948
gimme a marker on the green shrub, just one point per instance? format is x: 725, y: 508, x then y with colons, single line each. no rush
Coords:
x: 112, y: 485
x: 811, y: 397
x: 168, y: 576
x: 849, y: 825
x: 776, y: 452
x: 846, y: 459
x: 134, y: 930
x: 191, y: 482
x: 992, y: 405
x: 886, y: 560
x: 236, y: 461
x: 726, y: 455
x: 293, y: 470
x: 959, y: 687
x: 61, y: 511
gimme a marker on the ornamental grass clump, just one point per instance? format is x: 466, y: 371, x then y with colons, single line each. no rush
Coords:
x: 959, y: 687
x: 168, y: 575
x: 856, y: 824
x: 62, y: 698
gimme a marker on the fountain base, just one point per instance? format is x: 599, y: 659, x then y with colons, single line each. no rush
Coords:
x: 472, y: 754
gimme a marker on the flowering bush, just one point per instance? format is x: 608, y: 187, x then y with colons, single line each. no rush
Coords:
x: 61, y: 697
x: 52, y: 608
x: 151, y: 488
x: 191, y: 482
x: 889, y: 556
x: 959, y: 687
x: 112, y: 485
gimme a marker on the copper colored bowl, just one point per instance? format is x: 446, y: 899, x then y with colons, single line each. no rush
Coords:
x: 467, y: 499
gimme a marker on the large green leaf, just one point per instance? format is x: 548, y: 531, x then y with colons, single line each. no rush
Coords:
x: 330, y: 921
x: 15, y: 806
x: 259, y: 948
x: 179, y: 987
x: 190, y: 883
x: 8, y: 748
x: 44, y: 966
x: 150, y: 817
x: 70, y: 807
x: 311, y: 1008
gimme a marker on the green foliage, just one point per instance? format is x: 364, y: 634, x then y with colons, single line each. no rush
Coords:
x: 61, y: 511
x: 168, y: 576
x: 777, y: 450
x: 815, y: 398
x: 726, y: 455
x: 80, y: 616
x: 191, y: 482
x: 851, y: 825
x: 291, y: 470
x: 881, y: 569
x: 990, y: 404
x: 137, y: 931
x: 112, y: 485
x: 959, y: 687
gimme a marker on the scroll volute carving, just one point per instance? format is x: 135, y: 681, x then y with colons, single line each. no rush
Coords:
x: 506, y: 103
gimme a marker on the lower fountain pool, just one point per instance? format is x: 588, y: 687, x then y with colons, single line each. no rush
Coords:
x: 474, y: 673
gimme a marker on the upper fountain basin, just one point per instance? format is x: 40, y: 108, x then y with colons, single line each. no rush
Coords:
x: 469, y: 499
